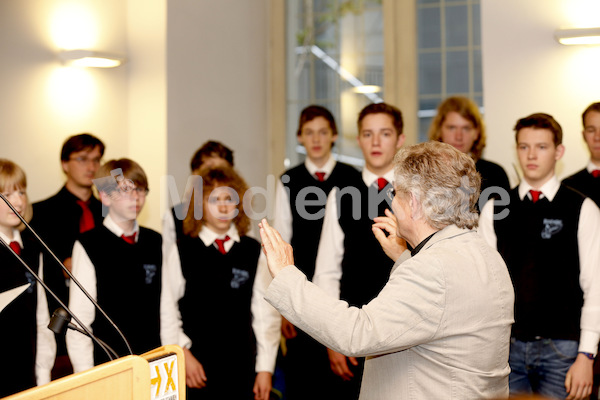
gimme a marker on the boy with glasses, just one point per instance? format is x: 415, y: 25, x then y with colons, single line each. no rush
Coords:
x: 120, y: 264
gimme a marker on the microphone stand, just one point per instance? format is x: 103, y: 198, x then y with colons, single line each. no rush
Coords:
x: 41, y: 282
x: 61, y: 320
x: 73, y: 279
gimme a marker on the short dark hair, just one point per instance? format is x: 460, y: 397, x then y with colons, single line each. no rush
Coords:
x: 210, y: 149
x: 382, y: 108
x: 540, y: 121
x: 80, y: 142
x: 592, y: 107
x: 311, y: 112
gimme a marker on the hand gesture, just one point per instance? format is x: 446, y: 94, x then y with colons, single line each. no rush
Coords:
x: 392, y: 245
x: 279, y: 253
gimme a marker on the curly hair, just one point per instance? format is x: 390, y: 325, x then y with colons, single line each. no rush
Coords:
x: 467, y: 109
x: 443, y: 180
x: 213, y: 178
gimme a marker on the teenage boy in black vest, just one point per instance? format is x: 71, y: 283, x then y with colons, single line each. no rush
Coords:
x: 299, y: 208
x: 549, y: 236
x: 587, y: 181
x: 60, y: 219
x: 120, y: 264
x: 350, y: 263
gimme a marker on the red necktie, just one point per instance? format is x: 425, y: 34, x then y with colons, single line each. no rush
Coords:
x: 535, y: 195
x: 221, y: 244
x: 381, y: 183
x: 320, y: 176
x: 129, y: 239
x: 16, y: 247
x: 86, y: 222
x: 596, y: 173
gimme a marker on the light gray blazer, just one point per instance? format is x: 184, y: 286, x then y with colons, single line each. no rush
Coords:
x: 439, y: 329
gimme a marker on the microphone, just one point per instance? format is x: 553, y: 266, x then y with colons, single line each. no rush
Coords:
x: 73, y: 279
x: 61, y: 320
x: 41, y: 282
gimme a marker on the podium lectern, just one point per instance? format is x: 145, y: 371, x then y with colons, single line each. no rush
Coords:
x: 158, y: 375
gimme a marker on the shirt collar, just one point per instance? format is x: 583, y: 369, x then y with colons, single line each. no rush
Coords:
x: 591, y: 166
x: 327, y: 168
x: 208, y: 236
x: 369, y: 177
x: 414, y: 251
x: 15, y: 238
x: 112, y: 226
x: 548, y: 189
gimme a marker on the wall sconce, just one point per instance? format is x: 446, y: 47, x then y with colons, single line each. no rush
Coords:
x: 89, y: 58
x: 588, y: 36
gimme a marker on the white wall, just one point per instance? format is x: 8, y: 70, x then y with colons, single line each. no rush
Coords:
x: 217, y: 83
x: 41, y: 102
x: 196, y: 70
x: 525, y: 71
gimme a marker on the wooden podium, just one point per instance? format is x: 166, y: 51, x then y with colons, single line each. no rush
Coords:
x: 157, y: 375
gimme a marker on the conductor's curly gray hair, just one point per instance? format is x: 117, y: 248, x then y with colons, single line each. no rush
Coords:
x: 442, y: 179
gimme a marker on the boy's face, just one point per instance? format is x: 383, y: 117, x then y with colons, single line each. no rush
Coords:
x: 126, y: 203
x: 317, y: 138
x: 537, y: 155
x: 219, y: 209
x: 591, y: 134
x: 82, y: 166
x: 8, y: 219
x: 459, y: 132
x: 379, y: 140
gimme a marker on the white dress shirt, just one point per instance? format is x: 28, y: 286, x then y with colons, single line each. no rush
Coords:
x: 45, y: 343
x: 267, y: 341
x: 328, y: 266
x: 79, y: 347
x: 588, y: 239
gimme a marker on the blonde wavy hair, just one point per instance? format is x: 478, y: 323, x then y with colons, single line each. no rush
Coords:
x: 467, y: 109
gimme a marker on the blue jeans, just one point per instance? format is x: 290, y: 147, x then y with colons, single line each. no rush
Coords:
x: 540, y: 366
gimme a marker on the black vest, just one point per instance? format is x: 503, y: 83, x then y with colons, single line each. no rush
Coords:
x: 215, y: 307
x: 308, y: 209
x: 128, y: 282
x: 18, y: 320
x: 585, y: 183
x: 539, y: 245
x: 365, y: 266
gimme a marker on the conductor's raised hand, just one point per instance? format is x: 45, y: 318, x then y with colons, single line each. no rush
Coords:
x: 392, y: 244
x: 279, y: 253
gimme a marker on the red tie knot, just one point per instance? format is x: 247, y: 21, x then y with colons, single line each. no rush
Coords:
x: 129, y: 238
x: 221, y: 244
x: 381, y: 183
x: 596, y: 173
x: 535, y: 195
x: 16, y: 247
x: 86, y: 222
x: 320, y: 176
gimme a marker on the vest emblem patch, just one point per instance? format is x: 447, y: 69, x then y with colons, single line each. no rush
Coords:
x: 551, y: 227
x: 240, y: 276
x: 150, y: 272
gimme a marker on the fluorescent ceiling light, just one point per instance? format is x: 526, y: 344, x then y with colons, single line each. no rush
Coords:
x: 89, y: 58
x: 367, y: 89
x: 589, y: 36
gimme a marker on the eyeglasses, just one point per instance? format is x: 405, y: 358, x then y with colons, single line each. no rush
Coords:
x: 391, y: 193
x: 127, y: 187
x: 85, y: 160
